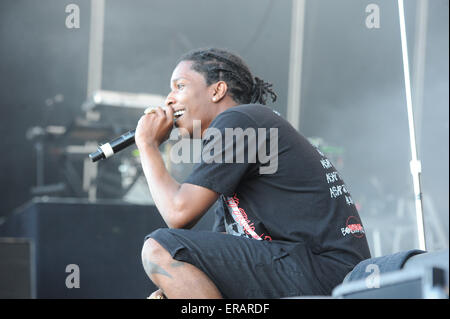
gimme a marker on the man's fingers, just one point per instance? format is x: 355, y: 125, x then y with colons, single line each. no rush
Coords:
x: 165, y: 112
x: 149, y: 110
x: 158, y: 294
x: 169, y: 112
x: 160, y: 111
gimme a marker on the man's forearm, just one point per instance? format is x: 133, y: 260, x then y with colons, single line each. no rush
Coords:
x: 163, y: 187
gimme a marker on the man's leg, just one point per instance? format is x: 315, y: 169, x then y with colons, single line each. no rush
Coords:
x: 175, y: 278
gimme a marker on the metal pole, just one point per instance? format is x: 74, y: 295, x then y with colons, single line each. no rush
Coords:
x: 95, y: 47
x: 295, y: 63
x: 94, y: 83
x: 39, y: 163
x: 420, y: 43
x: 415, y: 165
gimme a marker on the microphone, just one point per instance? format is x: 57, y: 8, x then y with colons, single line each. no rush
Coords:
x: 107, y: 150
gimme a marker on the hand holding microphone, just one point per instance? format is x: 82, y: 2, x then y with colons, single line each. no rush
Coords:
x: 153, y: 128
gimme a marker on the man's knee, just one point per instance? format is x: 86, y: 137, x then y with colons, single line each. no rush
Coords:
x: 152, y: 250
x: 155, y: 258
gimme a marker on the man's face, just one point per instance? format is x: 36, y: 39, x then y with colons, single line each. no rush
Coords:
x: 189, y: 92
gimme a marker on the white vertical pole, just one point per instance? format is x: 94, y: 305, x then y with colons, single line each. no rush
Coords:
x: 94, y: 83
x: 415, y: 164
x: 95, y: 47
x: 420, y: 43
x: 295, y: 63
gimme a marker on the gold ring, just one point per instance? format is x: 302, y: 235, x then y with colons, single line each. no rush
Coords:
x: 150, y: 110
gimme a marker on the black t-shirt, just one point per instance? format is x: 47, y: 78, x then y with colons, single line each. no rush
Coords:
x: 275, y: 185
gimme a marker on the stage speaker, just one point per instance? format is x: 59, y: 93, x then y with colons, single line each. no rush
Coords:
x: 16, y: 269
x: 88, y: 250
x: 421, y: 278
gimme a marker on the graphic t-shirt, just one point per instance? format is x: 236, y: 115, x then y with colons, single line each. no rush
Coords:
x: 275, y: 185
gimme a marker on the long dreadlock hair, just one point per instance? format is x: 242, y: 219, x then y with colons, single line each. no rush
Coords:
x: 221, y: 65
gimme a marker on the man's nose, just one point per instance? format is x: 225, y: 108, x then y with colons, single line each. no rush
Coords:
x: 170, y: 101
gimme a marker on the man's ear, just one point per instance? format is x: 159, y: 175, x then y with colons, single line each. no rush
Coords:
x: 219, y: 91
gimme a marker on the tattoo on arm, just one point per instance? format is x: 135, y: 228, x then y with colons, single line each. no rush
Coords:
x: 152, y: 268
x: 177, y: 264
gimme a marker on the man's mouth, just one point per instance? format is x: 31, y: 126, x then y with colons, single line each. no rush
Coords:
x: 178, y: 113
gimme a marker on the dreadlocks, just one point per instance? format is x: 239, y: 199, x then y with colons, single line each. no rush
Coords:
x: 221, y: 65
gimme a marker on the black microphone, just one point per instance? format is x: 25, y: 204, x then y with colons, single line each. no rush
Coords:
x: 106, y: 150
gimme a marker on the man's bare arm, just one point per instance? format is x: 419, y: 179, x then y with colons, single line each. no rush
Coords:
x: 180, y: 205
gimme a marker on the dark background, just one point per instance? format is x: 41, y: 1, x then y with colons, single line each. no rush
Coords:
x: 353, y: 95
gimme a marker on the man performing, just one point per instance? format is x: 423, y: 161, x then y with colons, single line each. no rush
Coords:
x: 285, y: 222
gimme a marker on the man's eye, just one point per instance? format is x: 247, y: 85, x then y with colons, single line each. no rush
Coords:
x: 180, y: 86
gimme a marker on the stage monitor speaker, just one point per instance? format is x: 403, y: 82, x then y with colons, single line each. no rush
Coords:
x: 16, y: 270
x: 88, y: 250
x: 414, y: 283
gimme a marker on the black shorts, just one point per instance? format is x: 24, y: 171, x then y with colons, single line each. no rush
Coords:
x: 245, y: 268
